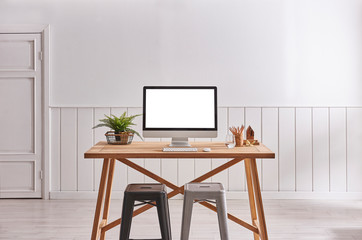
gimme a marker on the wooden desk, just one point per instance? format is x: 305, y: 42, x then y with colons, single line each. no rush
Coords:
x: 111, y: 153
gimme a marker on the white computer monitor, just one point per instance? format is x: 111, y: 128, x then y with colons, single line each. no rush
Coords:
x: 180, y: 113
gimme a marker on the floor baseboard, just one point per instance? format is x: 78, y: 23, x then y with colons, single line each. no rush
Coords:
x: 230, y: 195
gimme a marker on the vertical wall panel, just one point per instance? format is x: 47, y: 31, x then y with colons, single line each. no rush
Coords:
x: 221, y: 177
x: 286, y: 149
x: 68, y: 149
x: 202, y: 166
x: 186, y: 170
x: 99, y: 136
x: 85, y: 141
x: 270, y: 138
x: 253, y: 118
x: 153, y: 165
x: 337, y: 130
x: 169, y: 170
x: 320, y: 150
x: 304, y: 150
x: 133, y: 175
x: 120, y: 177
x: 55, y: 149
x: 222, y: 130
x: 354, y: 149
x: 236, y: 172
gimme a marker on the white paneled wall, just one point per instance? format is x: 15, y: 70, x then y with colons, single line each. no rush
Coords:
x: 286, y: 146
x: 338, y: 149
x: 318, y: 151
x: 303, y: 149
x: 270, y: 169
x: 354, y: 150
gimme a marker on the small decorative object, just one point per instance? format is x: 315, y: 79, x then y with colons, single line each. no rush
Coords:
x: 249, y: 143
x: 249, y: 134
x: 230, y: 141
x: 238, y: 135
x: 122, y: 133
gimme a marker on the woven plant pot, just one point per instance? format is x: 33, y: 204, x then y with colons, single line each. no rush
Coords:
x: 122, y: 138
x: 238, y: 140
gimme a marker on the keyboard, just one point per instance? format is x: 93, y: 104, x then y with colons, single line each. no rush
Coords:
x: 173, y: 149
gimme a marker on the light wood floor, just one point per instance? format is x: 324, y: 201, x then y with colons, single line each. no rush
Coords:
x: 286, y: 219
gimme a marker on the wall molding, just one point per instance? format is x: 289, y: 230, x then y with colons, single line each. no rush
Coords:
x: 90, y: 195
x: 239, y: 106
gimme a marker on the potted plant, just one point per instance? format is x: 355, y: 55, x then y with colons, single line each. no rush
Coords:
x: 122, y: 133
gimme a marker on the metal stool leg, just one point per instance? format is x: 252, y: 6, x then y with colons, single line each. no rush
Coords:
x: 222, y: 216
x: 186, y: 216
x: 164, y: 217
x: 127, y: 212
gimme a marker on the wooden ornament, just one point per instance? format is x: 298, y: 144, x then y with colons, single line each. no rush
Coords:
x: 249, y: 134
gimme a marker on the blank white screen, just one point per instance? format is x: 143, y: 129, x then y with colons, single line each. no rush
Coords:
x: 180, y: 108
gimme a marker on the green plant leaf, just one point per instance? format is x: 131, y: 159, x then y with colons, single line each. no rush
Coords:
x: 135, y: 132
x: 101, y: 125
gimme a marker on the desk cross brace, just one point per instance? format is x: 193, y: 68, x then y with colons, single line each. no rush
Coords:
x: 258, y: 227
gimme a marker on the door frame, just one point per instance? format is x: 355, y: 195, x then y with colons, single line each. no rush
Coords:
x: 44, y: 31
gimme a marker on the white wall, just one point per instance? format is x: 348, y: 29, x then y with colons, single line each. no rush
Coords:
x: 258, y: 52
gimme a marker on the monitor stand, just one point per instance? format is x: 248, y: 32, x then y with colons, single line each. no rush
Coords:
x: 180, y: 142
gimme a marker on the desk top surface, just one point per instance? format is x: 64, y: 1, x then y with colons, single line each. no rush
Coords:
x: 154, y: 150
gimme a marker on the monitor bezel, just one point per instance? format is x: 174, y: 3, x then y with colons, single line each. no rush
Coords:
x: 215, y: 128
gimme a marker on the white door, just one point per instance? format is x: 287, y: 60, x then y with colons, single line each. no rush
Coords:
x: 20, y: 115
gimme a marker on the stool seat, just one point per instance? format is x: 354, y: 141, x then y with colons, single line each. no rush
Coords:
x: 204, y: 187
x: 145, y: 188
x: 204, y: 192
x: 154, y: 194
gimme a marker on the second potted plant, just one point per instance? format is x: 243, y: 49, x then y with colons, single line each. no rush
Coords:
x: 122, y: 132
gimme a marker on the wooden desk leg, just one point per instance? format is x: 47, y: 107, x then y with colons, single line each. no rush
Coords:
x: 102, y: 186
x: 258, y: 200
x: 251, y: 195
x: 108, y: 196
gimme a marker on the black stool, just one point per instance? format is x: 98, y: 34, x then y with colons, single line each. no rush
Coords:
x: 149, y: 193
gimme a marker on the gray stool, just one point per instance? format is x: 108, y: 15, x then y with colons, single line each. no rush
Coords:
x: 204, y: 192
x: 147, y: 193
